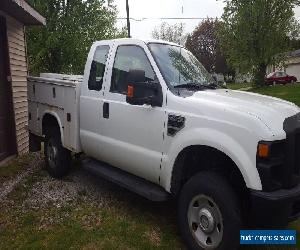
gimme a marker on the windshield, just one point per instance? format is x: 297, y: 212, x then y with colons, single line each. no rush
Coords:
x: 271, y: 74
x: 180, y: 67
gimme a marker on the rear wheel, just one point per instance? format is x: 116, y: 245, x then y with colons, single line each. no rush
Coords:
x: 208, y: 213
x: 57, y: 158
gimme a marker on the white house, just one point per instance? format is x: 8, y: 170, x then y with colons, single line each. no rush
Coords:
x: 291, y: 64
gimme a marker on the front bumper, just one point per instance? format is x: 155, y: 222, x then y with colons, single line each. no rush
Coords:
x: 275, y: 209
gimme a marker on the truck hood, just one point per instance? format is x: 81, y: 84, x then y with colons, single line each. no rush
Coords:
x: 271, y: 111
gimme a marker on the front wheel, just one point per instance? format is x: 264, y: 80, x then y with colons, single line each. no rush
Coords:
x: 208, y: 213
x: 57, y: 158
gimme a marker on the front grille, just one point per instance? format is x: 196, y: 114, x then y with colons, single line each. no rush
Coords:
x: 291, y: 174
x: 297, y: 155
x: 282, y: 168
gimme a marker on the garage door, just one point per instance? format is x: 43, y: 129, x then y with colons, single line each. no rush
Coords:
x: 7, y: 140
x: 294, y: 70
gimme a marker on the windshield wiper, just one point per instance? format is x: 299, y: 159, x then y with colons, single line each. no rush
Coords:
x: 195, y: 85
x: 189, y: 85
x: 212, y: 86
x: 216, y: 86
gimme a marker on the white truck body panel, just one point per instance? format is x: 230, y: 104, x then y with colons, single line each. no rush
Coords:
x: 230, y: 121
x: 122, y: 136
x: 135, y: 139
x: 57, y: 95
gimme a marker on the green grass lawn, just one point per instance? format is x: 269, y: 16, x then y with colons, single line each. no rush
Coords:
x: 115, y: 219
x: 14, y: 167
x: 287, y: 92
x: 236, y: 86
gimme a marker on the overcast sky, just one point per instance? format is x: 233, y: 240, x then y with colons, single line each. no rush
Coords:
x: 168, y: 8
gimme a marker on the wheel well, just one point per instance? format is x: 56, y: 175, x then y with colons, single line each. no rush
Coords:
x: 49, y: 121
x: 195, y: 159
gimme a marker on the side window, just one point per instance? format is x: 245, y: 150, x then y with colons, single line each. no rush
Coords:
x: 98, y: 68
x: 129, y: 57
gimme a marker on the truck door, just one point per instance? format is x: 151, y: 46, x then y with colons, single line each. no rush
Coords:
x: 91, y: 100
x: 132, y: 135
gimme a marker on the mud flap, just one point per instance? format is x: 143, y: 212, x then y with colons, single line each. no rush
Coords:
x: 34, y: 143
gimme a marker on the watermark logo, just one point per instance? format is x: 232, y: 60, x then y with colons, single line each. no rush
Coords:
x: 268, y: 237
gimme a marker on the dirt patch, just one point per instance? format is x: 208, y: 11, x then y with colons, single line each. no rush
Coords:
x: 154, y: 236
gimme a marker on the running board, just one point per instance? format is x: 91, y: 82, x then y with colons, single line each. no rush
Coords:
x: 131, y: 182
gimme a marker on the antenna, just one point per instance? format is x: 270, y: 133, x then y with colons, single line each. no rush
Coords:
x: 182, y: 8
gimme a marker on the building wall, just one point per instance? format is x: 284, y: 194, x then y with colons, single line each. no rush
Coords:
x: 18, y: 70
x: 293, y: 70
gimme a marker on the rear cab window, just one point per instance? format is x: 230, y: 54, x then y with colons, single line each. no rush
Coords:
x: 98, y: 68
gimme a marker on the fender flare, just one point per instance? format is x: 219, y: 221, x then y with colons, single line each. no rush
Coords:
x: 219, y: 141
x: 57, y: 118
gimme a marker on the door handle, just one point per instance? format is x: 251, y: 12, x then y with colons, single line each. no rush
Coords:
x: 106, y: 110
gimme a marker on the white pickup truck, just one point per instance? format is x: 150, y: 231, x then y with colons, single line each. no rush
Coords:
x: 148, y: 116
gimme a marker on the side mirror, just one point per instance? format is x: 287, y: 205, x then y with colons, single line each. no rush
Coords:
x: 140, y: 92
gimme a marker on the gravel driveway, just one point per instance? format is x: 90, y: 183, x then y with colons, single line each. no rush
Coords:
x: 82, y: 211
x: 83, y: 198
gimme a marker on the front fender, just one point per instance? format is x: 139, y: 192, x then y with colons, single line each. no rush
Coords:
x: 244, y: 156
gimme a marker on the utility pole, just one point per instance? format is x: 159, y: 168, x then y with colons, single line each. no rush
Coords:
x: 128, y: 20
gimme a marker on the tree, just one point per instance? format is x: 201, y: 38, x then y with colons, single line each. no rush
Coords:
x: 204, y: 44
x: 72, y: 26
x: 295, y: 44
x: 253, y: 32
x: 173, y: 33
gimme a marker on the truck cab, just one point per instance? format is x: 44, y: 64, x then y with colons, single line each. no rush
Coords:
x: 149, y: 117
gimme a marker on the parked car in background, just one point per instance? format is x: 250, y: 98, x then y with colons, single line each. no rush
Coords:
x: 279, y: 77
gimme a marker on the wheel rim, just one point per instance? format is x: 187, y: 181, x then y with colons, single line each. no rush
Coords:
x: 205, y: 221
x: 51, y: 154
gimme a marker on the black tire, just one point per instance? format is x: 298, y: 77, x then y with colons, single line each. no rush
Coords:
x: 59, y: 165
x: 222, y: 194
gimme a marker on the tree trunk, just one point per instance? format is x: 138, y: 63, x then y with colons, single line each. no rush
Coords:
x: 259, y: 75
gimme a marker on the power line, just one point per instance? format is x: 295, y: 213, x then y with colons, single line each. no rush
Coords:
x: 166, y: 18
x: 169, y: 18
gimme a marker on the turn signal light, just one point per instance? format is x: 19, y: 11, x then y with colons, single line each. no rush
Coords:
x: 130, y: 90
x: 263, y: 150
